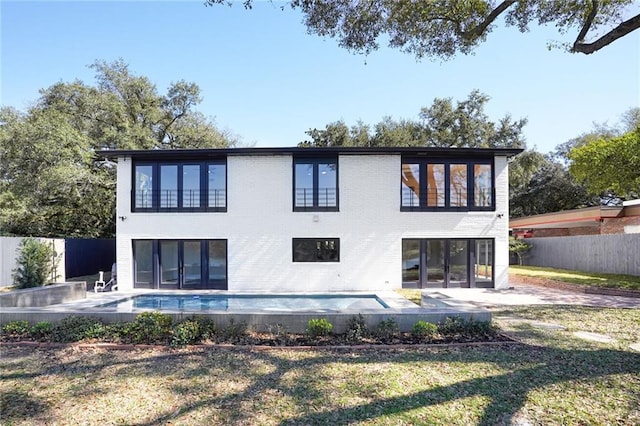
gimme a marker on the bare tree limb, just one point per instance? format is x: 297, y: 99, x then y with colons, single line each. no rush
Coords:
x: 618, y: 32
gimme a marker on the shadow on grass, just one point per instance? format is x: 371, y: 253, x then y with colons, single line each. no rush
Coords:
x: 523, y: 369
x: 16, y: 405
x: 506, y: 392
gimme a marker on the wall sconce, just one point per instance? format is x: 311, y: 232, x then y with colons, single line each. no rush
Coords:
x: 122, y: 218
x: 500, y: 215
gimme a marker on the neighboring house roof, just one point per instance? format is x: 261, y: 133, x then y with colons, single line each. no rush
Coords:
x: 573, y: 218
x: 204, y: 153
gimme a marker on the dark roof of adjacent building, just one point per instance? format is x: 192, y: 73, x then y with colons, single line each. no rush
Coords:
x: 211, y: 153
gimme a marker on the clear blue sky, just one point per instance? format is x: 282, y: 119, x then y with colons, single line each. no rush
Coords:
x: 265, y: 79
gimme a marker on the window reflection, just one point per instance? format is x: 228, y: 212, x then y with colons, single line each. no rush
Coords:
x: 458, y: 185
x: 482, y: 188
x: 168, y: 186
x: 191, y: 186
x: 217, y: 181
x: 144, y: 187
x: 435, y: 185
x: 410, y: 185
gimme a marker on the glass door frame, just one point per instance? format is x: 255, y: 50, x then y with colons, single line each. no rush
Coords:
x: 423, y: 282
x: 205, y: 282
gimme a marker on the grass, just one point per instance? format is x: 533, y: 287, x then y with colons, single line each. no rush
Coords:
x: 628, y: 282
x: 554, y: 379
x: 411, y: 294
x: 90, y: 279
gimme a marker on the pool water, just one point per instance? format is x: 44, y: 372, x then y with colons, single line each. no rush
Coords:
x: 211, y: 302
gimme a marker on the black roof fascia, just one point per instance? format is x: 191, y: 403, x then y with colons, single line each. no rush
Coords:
x: 220, y: 152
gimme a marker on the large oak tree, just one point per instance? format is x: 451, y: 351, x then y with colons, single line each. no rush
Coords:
x: 52, y: 183
x: 443, y: 28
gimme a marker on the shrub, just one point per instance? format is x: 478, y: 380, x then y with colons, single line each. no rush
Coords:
x: 235, y: 331
x: 149, y: 327
x: 41, y: 330
x: 318, y: 327
x: 356, y: 329
x: 74, y: 329
x: 279, y: 333
x: 387, y: 329
x: 16, y: 328
x: 186, y: 333
x: 424, y: 330
x: 457, y: 326
x: 35, y: 264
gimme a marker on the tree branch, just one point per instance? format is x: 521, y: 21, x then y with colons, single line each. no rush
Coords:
x: 587, y: 23
x: 618, y: 32
x: 479, y: 29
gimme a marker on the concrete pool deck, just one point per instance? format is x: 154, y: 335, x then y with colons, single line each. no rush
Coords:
x: 526, y: 294
x: 402, y: 310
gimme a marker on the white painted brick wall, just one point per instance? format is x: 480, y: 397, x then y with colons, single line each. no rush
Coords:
x: 260, y: 224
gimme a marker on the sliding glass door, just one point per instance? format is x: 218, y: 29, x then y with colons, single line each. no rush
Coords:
x: 446, y: 263
x: 180, y: 264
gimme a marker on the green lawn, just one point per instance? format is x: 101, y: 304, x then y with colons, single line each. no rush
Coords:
x: 629, y: 282
x: 553, y: 379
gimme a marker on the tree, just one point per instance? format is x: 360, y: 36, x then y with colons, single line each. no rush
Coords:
x: 442, y: 124
x: 52, y: 183
x: 538, y: 184
x: 519, y: 248
x: 444, y: 28
x: 35, y: 264
x: 609, y: 164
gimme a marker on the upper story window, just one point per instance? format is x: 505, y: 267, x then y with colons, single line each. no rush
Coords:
x: 180, y: 186
x: 439, y: 184
x: 315, y: 184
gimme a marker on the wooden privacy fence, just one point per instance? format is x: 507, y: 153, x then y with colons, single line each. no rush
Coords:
x: 612, y: 254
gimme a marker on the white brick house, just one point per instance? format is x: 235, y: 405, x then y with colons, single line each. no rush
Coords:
x: 312, y: 219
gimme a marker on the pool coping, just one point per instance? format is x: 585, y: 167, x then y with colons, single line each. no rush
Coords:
x: 403, y: 311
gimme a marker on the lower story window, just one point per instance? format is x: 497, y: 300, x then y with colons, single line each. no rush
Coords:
x: 180, y: 264
x: 316, y: 249
x: 437, y: 263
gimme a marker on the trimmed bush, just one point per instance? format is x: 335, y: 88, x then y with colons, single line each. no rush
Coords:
x: 35, y: 264
x: 16, y: 328
x: 387, y: 329
x: 356, y: 329
x: 149, y: 327
x: 41, y: 330
x: 74, y: 329
x: 318, y: 327
x: 457, y: 326
x: 186, y: 333
x: 424, y: 330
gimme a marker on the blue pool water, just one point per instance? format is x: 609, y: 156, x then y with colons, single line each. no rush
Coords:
x: 253, y: 302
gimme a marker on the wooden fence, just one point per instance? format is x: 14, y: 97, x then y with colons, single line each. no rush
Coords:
x: 613, y: 254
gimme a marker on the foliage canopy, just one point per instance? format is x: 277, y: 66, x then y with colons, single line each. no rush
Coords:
x: 444, y: 28
x: 609, y: 164
x: 52, y: 184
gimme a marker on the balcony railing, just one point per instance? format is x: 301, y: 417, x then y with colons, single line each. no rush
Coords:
x: 174, y: 199
x: 326, y: 197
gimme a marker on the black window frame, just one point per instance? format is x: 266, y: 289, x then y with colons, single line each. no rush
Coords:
x: 315, y: 241
x: 315, y: 162
x: 206, y: 283
x: 155, y: 186
x: 447, y: 162
x: 471, y: 261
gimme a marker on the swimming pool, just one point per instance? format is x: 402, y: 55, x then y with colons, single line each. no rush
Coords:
x: 252, y: 302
